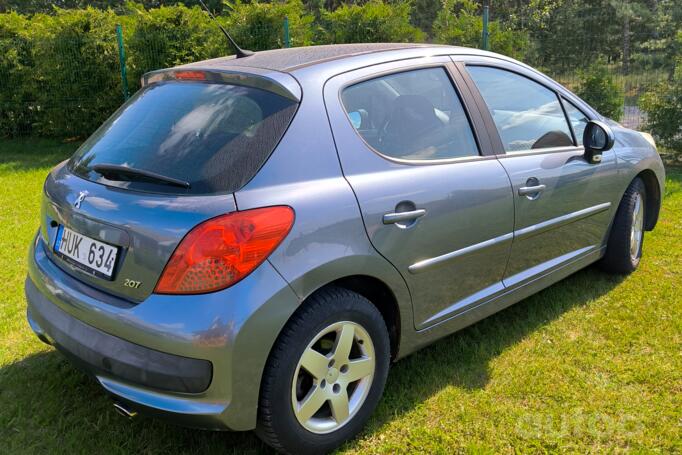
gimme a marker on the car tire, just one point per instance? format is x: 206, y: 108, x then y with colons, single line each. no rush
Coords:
x: 624, y: 247
x: 289, y: 392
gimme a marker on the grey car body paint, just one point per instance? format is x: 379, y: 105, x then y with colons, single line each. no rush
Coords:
x: 126, y: 219
x: 335, y: 228
x: 333, y: 181
x: 447, y: 193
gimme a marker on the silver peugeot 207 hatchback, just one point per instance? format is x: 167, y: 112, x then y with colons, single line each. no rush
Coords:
x: 248, y: 243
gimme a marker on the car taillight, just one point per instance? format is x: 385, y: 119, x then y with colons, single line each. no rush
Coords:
x: 221, y: 251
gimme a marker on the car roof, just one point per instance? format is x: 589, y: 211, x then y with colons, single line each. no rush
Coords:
x: 330, y: 59
x: 290, y: 59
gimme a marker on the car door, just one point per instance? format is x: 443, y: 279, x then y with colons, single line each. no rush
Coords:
x: 434, y: 201
x: 563, y: 203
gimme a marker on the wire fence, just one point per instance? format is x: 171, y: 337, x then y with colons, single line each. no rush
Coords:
x: 613, y: 62
x: 66, y: 83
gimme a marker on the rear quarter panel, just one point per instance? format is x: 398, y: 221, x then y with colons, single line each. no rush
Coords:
x: 328, y: 239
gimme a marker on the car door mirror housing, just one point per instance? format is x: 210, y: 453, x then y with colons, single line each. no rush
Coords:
x: 597, y: 138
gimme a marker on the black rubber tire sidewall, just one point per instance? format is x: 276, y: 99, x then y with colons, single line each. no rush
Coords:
x: 277, y: 424
x: 617, y: 258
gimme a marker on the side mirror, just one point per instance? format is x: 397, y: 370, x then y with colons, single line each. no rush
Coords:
x: 597, y: 138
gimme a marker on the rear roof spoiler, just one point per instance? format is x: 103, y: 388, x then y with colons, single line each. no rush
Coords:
x: 273, y: 81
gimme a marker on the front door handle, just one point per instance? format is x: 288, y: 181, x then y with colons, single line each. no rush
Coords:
x: 401, y: 217
x: 529, y: 190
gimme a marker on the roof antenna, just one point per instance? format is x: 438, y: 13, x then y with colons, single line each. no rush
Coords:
x: 238, y: 50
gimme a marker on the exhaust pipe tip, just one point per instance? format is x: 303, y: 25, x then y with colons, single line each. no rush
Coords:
x: 124, y: 411
x: 42, y: 337
x: 40, y: 333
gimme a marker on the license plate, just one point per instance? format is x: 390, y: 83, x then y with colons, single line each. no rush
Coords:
x: 93, y: 256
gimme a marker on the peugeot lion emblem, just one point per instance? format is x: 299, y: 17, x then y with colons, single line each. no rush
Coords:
x: 81, y: 196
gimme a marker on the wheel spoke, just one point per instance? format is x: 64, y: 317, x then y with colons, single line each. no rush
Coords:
x: 358, y: 369
x: 339, y: 405
x: 332, y: 371
x: 344, y: 343
x: 311, y: 404
x: 315, y: 363
x: 637, y: 227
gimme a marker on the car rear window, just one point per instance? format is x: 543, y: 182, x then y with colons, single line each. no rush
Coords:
x: 213, y: 136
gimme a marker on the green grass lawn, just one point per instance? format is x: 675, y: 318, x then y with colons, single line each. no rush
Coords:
x: 591, y: 364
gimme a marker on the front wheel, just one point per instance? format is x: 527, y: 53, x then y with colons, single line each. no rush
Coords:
x: 325, y: 375
x: 624, y: 247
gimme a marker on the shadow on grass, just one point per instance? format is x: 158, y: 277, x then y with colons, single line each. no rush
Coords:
x: 462, y: 359
x: 44, y: 390
x: 49, y: 406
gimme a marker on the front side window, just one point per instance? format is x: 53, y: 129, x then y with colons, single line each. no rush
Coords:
x: 413, y: 115
x: 527, y: 115
x: 578, y: 120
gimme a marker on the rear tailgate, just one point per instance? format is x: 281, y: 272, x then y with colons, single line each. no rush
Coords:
x: 167, y: 160
x: 145, y: 228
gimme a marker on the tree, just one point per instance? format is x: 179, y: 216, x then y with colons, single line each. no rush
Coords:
x: 629, y: 13
x: 663, y: 104
x: 569, y: 33
x: 667, y: 22
x: 423, y: 13
x: 599, y: 89
x: 459, y: 22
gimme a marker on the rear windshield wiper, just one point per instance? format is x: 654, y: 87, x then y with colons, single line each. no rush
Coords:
x: 125, y: 173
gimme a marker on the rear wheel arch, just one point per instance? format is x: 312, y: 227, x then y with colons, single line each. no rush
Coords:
x: 373, y: 289
x: 378, y: 293
x: 381, y: 296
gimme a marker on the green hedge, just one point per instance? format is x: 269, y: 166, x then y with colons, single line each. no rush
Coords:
x: 374, y: 21
x: 75, y: 72
x: 259, y: 26
x: 17, y: 85
x: 168, y: 36
x: 459, y: 23
x: 60, y: 73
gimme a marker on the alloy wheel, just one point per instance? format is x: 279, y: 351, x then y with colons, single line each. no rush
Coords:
x: 637, y: 229
x: 333, y: 377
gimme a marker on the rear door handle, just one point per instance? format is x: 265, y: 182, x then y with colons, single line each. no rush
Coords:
x: 400, y: 217
x: 526, y: 190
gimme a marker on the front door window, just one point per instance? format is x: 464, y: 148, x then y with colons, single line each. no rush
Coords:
x: 528, y: 115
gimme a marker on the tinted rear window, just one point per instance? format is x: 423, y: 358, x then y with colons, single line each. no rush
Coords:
x: 214, y: 136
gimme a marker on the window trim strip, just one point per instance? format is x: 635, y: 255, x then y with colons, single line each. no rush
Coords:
x: 460, y: 96
x: 517, y: 234
x: 485, y: 111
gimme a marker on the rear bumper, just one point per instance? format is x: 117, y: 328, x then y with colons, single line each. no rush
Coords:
x: 104, y: 354
x: 194, y: 360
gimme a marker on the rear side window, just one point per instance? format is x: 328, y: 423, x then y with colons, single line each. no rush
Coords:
x: 413, y: 115
x: 213, y: 136
x: 527, y: 114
